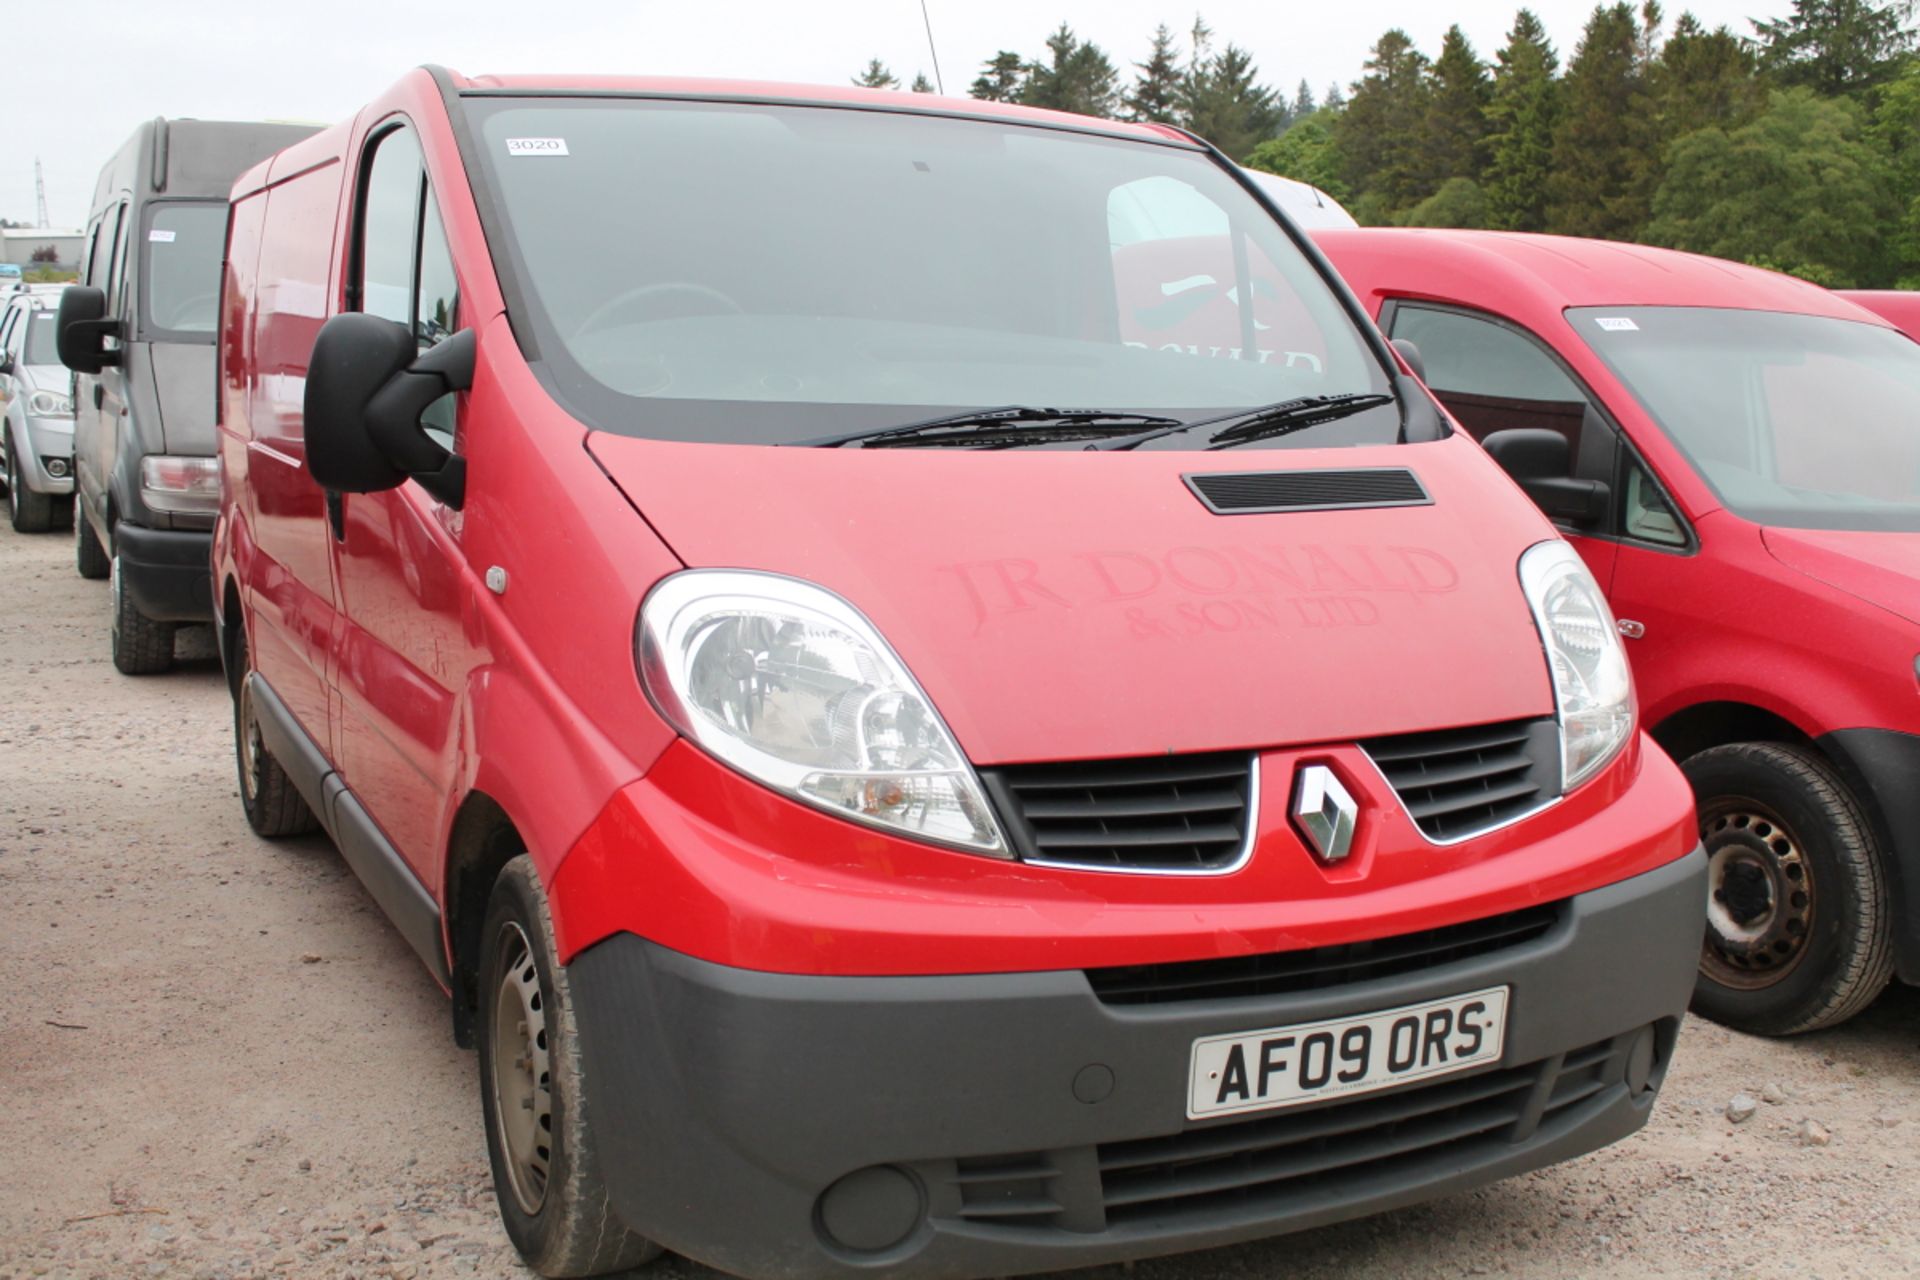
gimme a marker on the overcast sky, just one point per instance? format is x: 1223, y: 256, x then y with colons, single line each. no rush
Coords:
x: 79, y: 76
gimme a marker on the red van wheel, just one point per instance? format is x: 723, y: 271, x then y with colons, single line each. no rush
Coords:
x: 1797, y: 933
x: 273, y: 805
x: 546, y: 1169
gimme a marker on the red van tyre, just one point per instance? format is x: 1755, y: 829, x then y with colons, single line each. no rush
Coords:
x: 1798, y: 936
x: 273, y: 805
x: 89, y: 557
x: 546, y: 1172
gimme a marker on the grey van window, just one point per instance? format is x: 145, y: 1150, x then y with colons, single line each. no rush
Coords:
x: 117, y: 266
x: 390, y: 227
x: 180, y: 269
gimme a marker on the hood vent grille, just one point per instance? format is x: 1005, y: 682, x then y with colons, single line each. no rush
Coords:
x: 1239, y: 493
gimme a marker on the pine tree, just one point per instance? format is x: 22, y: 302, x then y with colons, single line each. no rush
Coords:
x: 1520, y: 123
x: 876, y: 76
x: 1457, y: 119
x: 1078, y: 78
x: 1002, y: 78
x: 921, y: 84
x: 1836, y: 46
x: 1224, y: 103
x: 1703, y: 77
x: 1379, y: 132
x: 1895, y: 135
x: 1155, y: 96
x: 1601, y: 141
x: 1303, y: 104
x: 1334, y: 98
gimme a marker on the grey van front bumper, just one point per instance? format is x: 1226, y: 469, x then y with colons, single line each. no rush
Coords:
x: 166, y: 573
x: 786, y: 1126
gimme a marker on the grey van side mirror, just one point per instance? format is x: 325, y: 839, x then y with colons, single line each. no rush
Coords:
x: 81, y: 330
x: 367, y: 386
x: 1541, y: 462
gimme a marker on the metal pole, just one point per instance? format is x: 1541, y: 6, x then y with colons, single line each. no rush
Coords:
x: 937, y: 81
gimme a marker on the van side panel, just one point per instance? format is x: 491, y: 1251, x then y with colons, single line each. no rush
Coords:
x: 290, y: 584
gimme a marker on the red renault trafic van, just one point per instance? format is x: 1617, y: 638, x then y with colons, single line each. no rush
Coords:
x: 859, y: 828
x: 1733, y: 452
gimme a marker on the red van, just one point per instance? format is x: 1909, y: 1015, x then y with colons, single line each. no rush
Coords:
x: 1733, y: 453
x: 859, y: 829
x: 1899, y: 307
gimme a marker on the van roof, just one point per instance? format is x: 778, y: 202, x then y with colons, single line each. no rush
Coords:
x: 824, y: 95
x: 1563, y: 271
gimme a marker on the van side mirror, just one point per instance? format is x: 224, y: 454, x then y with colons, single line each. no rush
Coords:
x: 6, y: 363
x: 81, y: 330
x: 367, y: 385
x: 1411, y: 354
x: 1541, y: 462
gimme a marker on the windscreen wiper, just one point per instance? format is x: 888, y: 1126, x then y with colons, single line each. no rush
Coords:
x: 1264, y: 422
x: 1010, y: 425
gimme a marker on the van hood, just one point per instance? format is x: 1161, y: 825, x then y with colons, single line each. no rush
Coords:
x: 1882, y: 569
x: 46, y: 377
x: 1068, y: 605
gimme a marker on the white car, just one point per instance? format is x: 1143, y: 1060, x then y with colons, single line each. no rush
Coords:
x: 1310, y: 208
x: 36, y: 451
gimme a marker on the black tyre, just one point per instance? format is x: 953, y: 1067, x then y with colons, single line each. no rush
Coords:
x: 1798, y: 935
x: 27, y: 511
x: 141, y: 646
x: 545, y: 1165
x: 90, y: 559
x: 273, y: 805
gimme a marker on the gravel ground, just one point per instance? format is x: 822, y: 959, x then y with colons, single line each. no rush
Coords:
x: 217, y: 1060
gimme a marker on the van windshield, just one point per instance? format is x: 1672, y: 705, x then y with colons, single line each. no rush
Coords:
x: 761, y: 273
x: 1800, y: 421
x: 180, y: 271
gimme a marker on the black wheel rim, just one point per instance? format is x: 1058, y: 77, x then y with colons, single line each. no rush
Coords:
x: 1761, y: 901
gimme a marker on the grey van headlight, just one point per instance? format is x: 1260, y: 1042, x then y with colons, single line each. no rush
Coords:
x: 786, y: 682
x: 1592, y: 685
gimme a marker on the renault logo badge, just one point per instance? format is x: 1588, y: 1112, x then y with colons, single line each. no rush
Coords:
x: 1324, y: 812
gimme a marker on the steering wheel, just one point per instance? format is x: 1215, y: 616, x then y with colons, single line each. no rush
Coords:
x: 187, y: 312
x: 704, y: 300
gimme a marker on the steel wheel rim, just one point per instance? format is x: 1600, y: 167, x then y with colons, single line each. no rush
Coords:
x: 521, y: 1076
x: 1760, y: 900
x: 250, y: 744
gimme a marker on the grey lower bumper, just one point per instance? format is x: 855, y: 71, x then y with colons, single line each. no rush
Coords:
x: 986, y: 1125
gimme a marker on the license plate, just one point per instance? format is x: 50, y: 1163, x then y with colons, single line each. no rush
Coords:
x: 1288, y: 1066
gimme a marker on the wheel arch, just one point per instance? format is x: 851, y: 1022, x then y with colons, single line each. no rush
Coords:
x: 483, y: 839
x: 1717, y: 724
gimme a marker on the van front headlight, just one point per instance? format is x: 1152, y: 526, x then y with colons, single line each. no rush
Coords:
x: 1592, y: 685
x: 49, y: 404
x: 790, y: 685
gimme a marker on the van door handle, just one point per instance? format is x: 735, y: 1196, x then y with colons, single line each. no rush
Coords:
x: 98, y: 395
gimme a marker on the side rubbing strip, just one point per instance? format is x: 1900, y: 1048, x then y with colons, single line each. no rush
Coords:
x: 1234, y: 493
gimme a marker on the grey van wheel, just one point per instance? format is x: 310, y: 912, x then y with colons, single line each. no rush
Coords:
x: 546, y: 1166
x: 27, y: 511
x: 141, y: 646
x: 273, y: 805
x: 1798, y: 935
x: 89, y: 557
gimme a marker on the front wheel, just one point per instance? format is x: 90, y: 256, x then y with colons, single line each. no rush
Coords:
x: 546, y: 1167
x: 27, y: 511
x: 90, y: 559
x: 1798, y: 935
x: 273, y: 805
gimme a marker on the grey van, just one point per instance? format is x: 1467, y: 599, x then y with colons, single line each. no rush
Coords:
x: 138, y: 334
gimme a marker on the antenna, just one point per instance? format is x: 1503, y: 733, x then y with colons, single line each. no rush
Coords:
x: 937, y: 81
x: 39, y: 193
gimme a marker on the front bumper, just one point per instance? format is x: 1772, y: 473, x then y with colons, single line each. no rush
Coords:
x: 998, y: 1123
x: 166, y: 573
x: 41, y: 440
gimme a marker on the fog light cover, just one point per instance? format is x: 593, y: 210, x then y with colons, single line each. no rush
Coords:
x: 58, y: 468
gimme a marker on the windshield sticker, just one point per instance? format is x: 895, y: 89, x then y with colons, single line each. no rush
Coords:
x: 1616, y: 324
x: 158, y: 236
x: 536, y: 146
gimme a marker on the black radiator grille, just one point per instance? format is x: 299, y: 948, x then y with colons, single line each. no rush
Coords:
x: 1284, y: 972
x: 1156, y: 813
x: 1315, y: 1152
x: 1459, y: 782
x: 1229, y: 493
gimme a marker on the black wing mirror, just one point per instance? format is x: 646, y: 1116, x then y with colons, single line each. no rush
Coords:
x: 1541, y: 462
x: 6, y: 363
x: 1411, y: 354
x: 81, y: 330
x: 367, y: 386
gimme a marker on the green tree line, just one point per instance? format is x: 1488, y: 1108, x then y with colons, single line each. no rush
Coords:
x: 1794, y: 146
